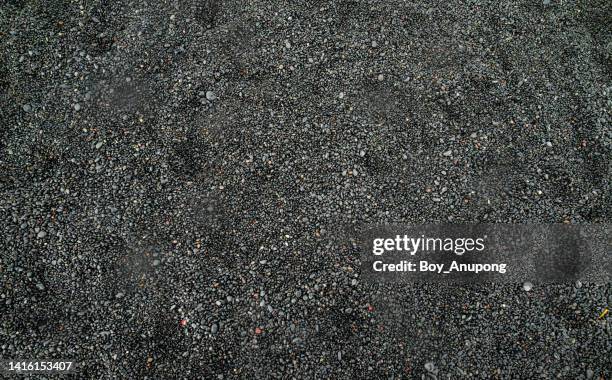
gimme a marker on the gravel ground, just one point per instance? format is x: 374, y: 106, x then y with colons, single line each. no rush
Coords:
x: 176, y: 180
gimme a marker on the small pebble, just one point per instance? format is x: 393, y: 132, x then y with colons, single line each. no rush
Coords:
x: 210, y: 95
x: 27, y: 108
x: 430, y: 367
x: 527, y: 286
x: 214, y: 328
x: 77, y: 107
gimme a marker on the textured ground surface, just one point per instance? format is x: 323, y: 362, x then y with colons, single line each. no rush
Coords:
x: 174, y: 176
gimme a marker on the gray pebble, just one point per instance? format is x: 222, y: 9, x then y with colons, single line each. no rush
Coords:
x: 210, y: 95
x: 77, y: 107
x: 41, y: 234
x: 214, y: 328
x: 27, y: 108
x: 429, y: 366
x: 527, y: 286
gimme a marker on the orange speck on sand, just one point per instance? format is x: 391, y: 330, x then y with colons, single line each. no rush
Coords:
x: 183, y: 322
x: 258, y: 330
